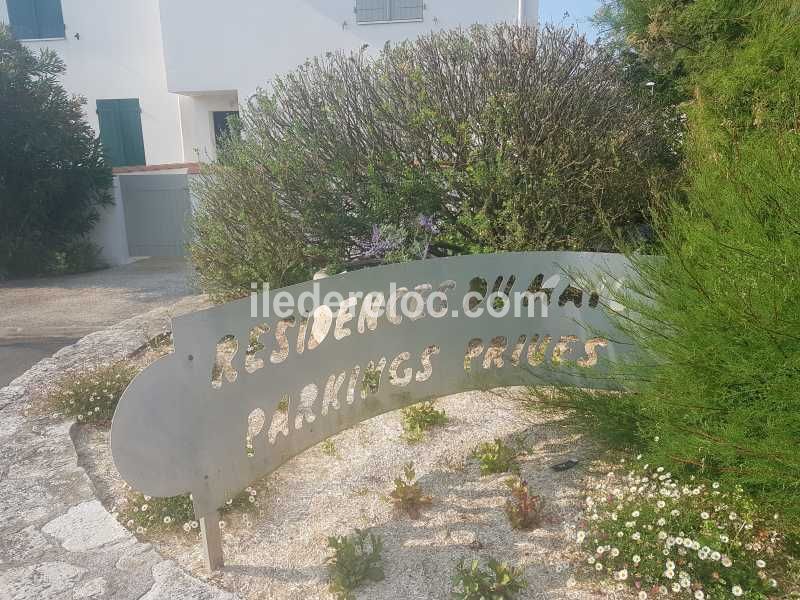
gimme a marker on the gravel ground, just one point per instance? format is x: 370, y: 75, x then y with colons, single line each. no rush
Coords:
x: 279, y: 551
x: 40, y: 316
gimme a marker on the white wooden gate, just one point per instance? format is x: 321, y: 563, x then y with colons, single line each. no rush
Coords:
x: 157, y: 211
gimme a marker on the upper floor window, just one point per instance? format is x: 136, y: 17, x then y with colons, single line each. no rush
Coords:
x: 36, y: 19
x: 383, y: 11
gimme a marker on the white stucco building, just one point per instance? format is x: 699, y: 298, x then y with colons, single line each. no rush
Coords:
x: 160, y: 75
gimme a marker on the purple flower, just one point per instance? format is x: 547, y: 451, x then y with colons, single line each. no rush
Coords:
x: 378, y: 246
x: 426, y: 222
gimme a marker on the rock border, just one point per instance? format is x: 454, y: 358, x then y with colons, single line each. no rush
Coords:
x: 56, y: 538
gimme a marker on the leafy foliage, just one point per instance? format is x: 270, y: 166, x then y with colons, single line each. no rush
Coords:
x: 648, y: 531
x: 52, y: 173
x: 407, y: 494
x: 524, y: 511
x: 496, y: 457
x: 736, y: 57
x: 356, y: 559
x: 92, y: 396
x: 717, y: 318
x: 464, y: 141
x: 420, y: 418
x: 499, y: 582
x: 722, y: 306
x: 150, y: 517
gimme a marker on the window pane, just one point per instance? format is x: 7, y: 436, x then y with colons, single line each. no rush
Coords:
x: 372, y: 10
x: 222, y: 126
x: 406, y: 10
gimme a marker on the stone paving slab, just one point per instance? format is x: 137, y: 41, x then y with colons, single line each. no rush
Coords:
x: 57, y: 541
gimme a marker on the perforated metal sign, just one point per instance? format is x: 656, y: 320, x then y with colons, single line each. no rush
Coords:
x: 244, y: 391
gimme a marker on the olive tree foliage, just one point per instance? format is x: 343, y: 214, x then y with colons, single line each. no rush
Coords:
x: 502, y: 138
x: 52, y: 173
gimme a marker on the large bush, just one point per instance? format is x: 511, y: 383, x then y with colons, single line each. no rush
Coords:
x: 715, y: 389
x: 720, y: 327
x: 510, y: 138
x: 52, y: 173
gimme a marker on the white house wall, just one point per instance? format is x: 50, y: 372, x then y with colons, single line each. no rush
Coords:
x: 242, y: 44
x: 197, y: 123
x: 184, y: 59
x: 119, y: 55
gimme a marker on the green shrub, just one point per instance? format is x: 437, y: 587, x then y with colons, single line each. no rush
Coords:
x: 53, y: 176
x: 719, y: 332
x: 148, y: 516
x: 738, y: 58
x: 420, y: 418
x: 356, y: 560
x: 548, y: 147
x: 407, y: 494
x: 717, y: 319
x: 496, y: 457
x: 242, y: 238
x: 500, y: 582
x: 657, y: 535
x: 524, y: 511
x: 92, y: 396
x: 76, y: 256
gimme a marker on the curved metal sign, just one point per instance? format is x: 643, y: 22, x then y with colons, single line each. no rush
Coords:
x: 246, y: 389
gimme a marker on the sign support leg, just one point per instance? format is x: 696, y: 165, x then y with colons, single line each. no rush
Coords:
x: 212, y: 542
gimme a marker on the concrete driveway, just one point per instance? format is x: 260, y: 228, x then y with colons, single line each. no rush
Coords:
x: 40, y: 316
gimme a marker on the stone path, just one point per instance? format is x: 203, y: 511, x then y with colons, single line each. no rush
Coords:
x: 56, y: 539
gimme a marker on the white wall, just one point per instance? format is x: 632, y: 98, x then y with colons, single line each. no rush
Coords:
x: 242, y: 44
x: 119, y: 55
x: 110, y: 232
x: 213, y: 55
x: 197, y: 123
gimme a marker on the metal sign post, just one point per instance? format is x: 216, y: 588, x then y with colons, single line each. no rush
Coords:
x: 243, y: 394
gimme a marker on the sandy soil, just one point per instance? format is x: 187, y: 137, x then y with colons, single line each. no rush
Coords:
x: 279, y: 551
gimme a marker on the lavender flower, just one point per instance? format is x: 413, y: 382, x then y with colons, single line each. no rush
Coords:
x: 426, y: 222
x: 379, y: 244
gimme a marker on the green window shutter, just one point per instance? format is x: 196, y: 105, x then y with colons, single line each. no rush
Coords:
x: 111, y: 132
x: 132, y: 138
x: 50, y: 19
x: 22, y: 14
x: 121, y: 132
x: 36, y: 19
